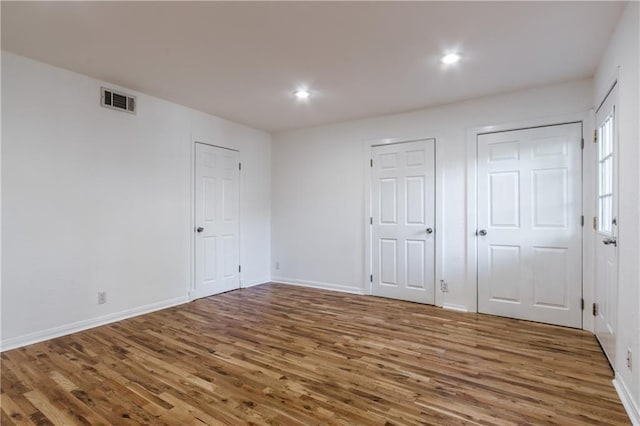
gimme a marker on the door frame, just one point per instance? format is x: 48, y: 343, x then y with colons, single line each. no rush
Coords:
x: 192, y: 213
x: 367, y: 148
x: 587, y: 119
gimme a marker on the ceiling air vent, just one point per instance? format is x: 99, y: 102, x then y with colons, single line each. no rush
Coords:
x: 117, y: 100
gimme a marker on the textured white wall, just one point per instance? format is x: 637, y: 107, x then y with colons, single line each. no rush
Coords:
x: 622, y: 58
x: 99, y: 200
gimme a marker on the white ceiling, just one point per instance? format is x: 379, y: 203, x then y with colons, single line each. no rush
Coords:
x: 242, y: 60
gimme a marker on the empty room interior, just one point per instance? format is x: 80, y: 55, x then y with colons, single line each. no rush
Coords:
x: 316, y: 213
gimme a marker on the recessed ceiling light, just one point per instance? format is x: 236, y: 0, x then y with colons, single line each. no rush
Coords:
x: 450, y: 58
x: 302, y: 94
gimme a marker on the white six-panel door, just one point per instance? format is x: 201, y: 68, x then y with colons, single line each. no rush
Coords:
x: 403, y: 221
x: 529, y: 224
x: 216, y: 230
x: 606, y: 282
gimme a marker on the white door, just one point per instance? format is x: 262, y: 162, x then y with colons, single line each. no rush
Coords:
x: 530, y: 224
x: 216, y: 220
x: 606, y: 283
x: 403, y: 232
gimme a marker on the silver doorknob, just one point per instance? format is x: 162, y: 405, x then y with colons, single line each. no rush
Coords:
x: 429, y: 230
x: 199, y: 229
x: 610, y: 241
x: 482, y: 232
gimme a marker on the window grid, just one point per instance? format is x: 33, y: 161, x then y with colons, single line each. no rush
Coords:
x: 605, y: 176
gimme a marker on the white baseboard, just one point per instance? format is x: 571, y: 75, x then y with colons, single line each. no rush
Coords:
x: 627, y: 401
x: 319, y: 285
x: 251, y: 283
x: 454, y: 307
x: 63, y: 330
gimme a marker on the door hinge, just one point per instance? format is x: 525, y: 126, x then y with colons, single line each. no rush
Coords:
x: 582, y: 143
x: 239, y: 268
x: 582, y: 304
x: 595, y: 136
x: 239, y: 166
x: 371, y: 221
x: 371, y: 278
x: 582, y: 220
x: 371, y: 162
x: 594, y: 309
x: 595, y: 223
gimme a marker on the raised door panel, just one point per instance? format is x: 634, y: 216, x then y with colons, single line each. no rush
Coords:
x: 549, y: 147
x: 229, y: 201
x: 415, y: 205
x: 388, y: 201
x: 415, y: 157
x: 504, y: 196
x: 504, y: 151
x: 229, y: 265
x: 505, y: 273
x: 388, y: 161
x: 551, y: 198
x: 415, y: 267
x: 209, y: 259
x: 209, y: 193
x: 551, y: 282
x: 388, y: 261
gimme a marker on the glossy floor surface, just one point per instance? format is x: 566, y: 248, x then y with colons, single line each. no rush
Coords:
x: 277, y: 354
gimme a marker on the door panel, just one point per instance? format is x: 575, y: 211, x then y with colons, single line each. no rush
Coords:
x: 505, y: 270
x: 529, y: 214
x: 388, y: 261
x: 415, y: 264
x: 415, y: 200
x: 606, y: 283
x: 550, y: 198
x: 504, y: 194
x: 551, y: 286
x: 403, y: 200
x: 209, y: 259
x: 388, y: 207
x: 216, y: 214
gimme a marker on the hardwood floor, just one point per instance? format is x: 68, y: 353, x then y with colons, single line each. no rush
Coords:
x: 277, y: 354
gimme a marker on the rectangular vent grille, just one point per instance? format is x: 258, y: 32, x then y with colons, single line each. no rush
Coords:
x: 116, y: 100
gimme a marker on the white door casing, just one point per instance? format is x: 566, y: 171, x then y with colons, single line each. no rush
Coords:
x: 606, y: 260
x: 530, y: 224
x: 216, y: 220
x: 403, y: 220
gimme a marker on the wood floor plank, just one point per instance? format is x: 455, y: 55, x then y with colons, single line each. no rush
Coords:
x: 276, y: 354
x: 13, y: 412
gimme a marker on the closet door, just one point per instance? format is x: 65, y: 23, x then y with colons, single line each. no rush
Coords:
x: 217, y: 255
x: 403, y: 233
x: 530, y: 224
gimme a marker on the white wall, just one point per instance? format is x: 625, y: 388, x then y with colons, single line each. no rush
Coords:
x: 318, y: 184
x: 100, y: 200
x: 624, y: 52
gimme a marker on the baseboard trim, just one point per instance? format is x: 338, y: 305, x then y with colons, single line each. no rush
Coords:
x: 63, y: 330
x: 627, y: 401
x: 318, y: 285
x: 252, y: 283
x: 454, y: 307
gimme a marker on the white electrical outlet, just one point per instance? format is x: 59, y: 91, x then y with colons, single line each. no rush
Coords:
x: 277, y: 265
x: 102, y: 297
x: 629, y: 358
